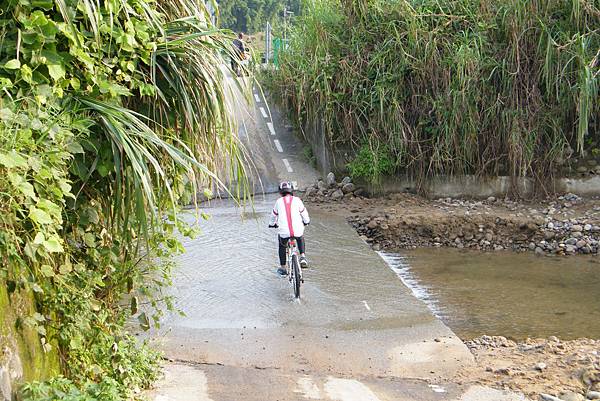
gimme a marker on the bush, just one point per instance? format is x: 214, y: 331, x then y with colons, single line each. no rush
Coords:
x: 371, y: 164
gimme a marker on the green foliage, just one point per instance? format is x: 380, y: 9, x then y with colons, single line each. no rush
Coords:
x: 371, y: 164
x: 469, y: 86
x: 111, y: 114
x: 251, y: 16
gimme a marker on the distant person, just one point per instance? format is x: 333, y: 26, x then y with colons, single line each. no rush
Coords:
x: 239, y: 50
x: 290, y: 216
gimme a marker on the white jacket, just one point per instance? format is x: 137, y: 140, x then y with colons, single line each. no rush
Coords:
x: 291, y: 216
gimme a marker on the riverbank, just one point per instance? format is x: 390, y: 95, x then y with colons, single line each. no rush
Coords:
x: 563, y: 225
x: 539, y: 368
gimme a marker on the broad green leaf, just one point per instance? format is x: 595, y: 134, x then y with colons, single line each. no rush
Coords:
x: 65, y: 268
x: 26, y: 73
x: 13, y: 64
x: 5, y: 83
x: 90, y: 240
x: 75, y: 84
x: 39, y: 238
x: 12, y: 159
x: 27, y: 190
x: 47, y: 270
x: 57, y: 71
x: 53, y: 244
x: 39, y: 216
x: 75, y: 147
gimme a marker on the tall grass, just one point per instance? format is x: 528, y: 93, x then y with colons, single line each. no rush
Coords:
x: 453, y: 87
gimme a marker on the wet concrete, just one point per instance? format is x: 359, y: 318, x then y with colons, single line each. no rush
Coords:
x: 540, y: 296
x: 354, y: 317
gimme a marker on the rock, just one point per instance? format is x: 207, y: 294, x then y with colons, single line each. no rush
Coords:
x: 582, y: 169
x: 548, y: 397
x: 587, y: 227
x: 491, y: 199
x: 309, y: 191
x: 321, y: 185
x: 489, y: 237
x: 346, y: 180
x: 372, y: 224
x: 539, y: 251
x: 337, y: 195
x: 571, y: 241
x: 570, y: 249
x: 330, y: 180
x: 580, y: 244
x: 359, y: 192
x: 593, y: 395
x: 549, y: 235
x: 577, y: 228
x: 541, y: 366
x: 571, y: 396
x: 347, y: 188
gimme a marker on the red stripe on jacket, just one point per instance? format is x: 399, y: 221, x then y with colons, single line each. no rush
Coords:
x: 287, y: 201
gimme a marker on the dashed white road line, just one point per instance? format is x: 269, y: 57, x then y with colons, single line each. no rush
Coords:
x: 278, y: 146
x: 287, y: 166
x: 263, y: 112
x: 271, y: 128
x: 257, y: 98
x: 366, y: 305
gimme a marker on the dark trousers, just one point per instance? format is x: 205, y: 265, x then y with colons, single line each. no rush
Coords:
x: 283, y: 247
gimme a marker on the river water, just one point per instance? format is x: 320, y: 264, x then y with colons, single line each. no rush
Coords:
x: 503, y: 293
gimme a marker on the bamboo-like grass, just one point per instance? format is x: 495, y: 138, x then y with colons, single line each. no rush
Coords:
x: 455, y: 87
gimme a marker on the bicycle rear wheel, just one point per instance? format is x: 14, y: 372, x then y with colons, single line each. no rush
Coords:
x: 296, y: 273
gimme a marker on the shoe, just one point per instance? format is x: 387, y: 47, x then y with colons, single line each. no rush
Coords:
x: 303, y: 262
x: 282, y: 272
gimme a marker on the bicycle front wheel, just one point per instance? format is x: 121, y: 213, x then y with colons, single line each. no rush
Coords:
x: 297, y: 278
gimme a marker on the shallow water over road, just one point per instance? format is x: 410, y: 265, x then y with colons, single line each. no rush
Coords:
x: 508, y: 294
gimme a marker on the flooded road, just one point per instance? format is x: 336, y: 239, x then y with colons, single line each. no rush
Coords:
x: 509, y: 294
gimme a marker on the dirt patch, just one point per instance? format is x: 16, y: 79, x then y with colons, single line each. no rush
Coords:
x: 568, y: 370
x: 565, y: 225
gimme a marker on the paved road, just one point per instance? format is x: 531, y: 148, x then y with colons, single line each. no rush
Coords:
x: 357, y: 334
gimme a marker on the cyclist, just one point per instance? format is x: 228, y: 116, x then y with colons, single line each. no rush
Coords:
x: 290, y: 216
x: 239, y: 49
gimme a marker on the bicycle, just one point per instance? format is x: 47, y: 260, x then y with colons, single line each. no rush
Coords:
x: 294, y: 270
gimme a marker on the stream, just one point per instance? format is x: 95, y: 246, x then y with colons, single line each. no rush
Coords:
x: 510, y: 294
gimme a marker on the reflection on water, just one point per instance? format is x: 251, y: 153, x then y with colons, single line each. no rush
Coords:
x: 509, y: 294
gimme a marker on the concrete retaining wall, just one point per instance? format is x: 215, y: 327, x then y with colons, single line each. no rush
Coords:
x: 440, y: 186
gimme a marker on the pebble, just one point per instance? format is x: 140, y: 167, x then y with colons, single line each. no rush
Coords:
x: 540, y: 366
x: 548, y: 397
x: 593, y: 395
x: 571, y: 396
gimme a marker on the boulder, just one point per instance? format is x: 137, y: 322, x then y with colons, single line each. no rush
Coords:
x: 347, y: 188
x: 346, y: 180
x: 337, y: 195
x: 330, y: 180
x: 321, y: 185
